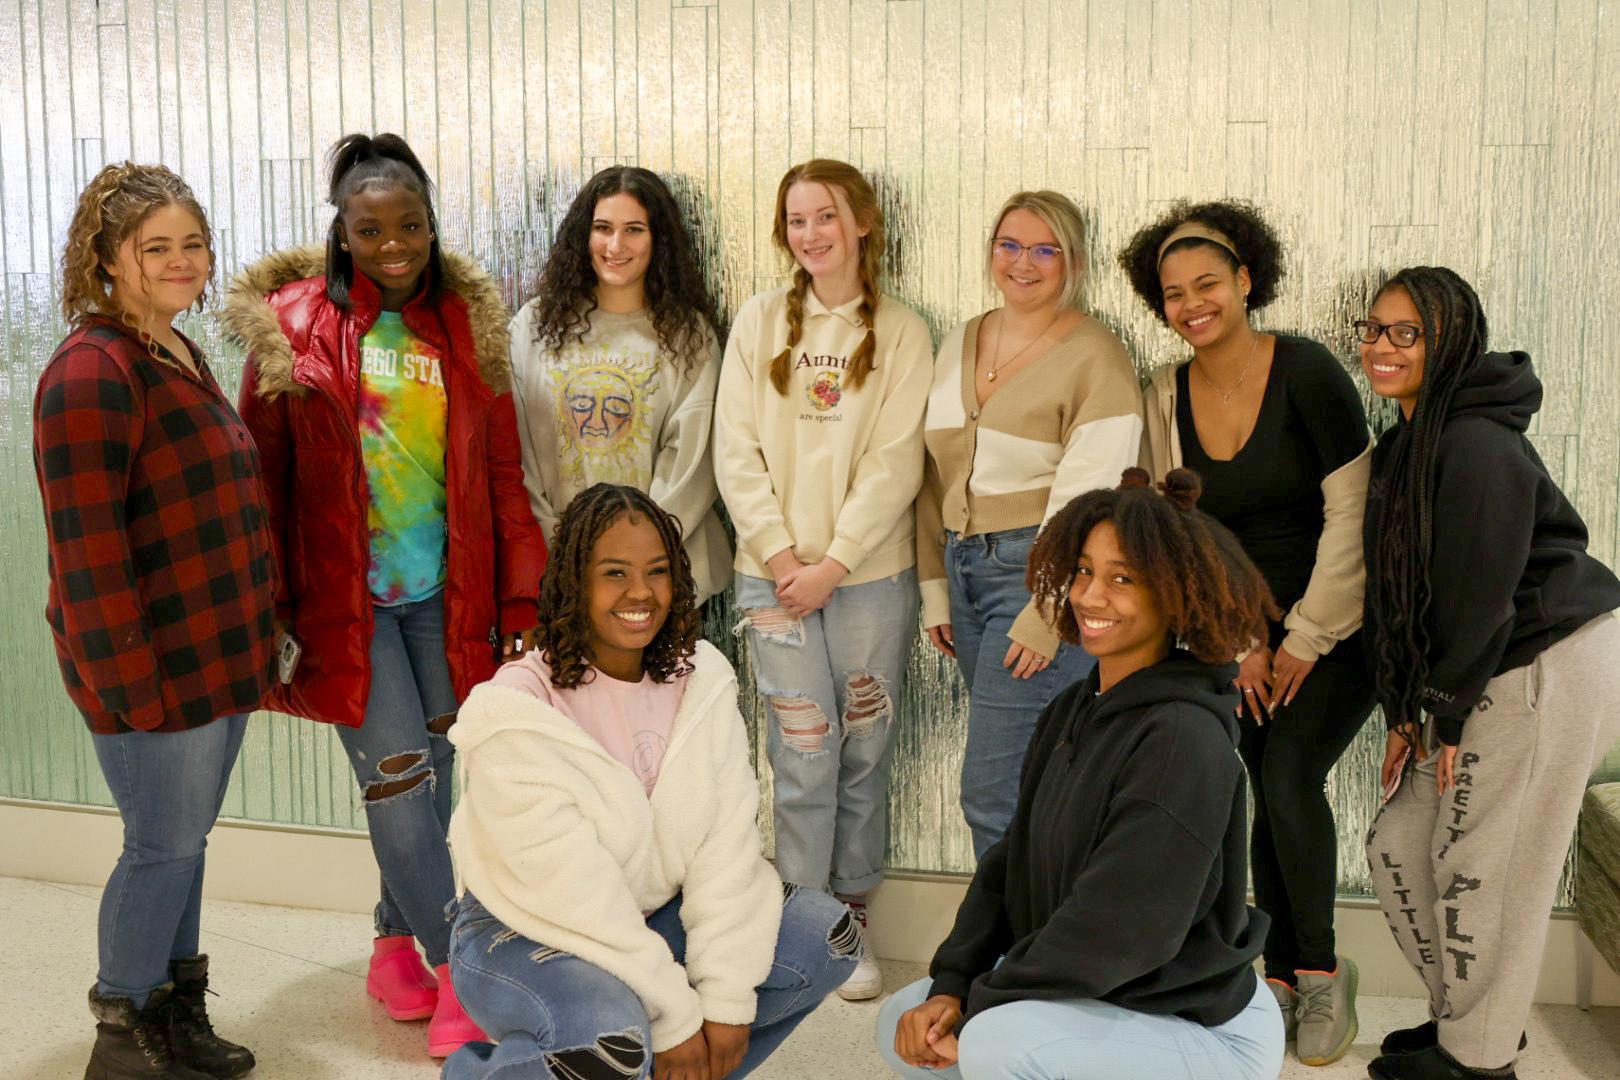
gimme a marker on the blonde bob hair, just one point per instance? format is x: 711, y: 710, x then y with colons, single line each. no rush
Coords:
x: 1063, y: 218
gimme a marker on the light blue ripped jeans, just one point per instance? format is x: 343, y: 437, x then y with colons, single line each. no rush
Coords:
x: 831, y: 682
x: 559, y: 1018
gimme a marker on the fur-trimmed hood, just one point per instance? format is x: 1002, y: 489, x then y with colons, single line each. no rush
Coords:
x: 249, y: 318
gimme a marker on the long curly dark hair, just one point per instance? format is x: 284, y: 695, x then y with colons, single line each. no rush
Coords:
x: 684, y: 314
x: 1398, y: 596
x: 564, y: 631
x: 1216, y: 601
x: 358, y: 163
x: 1257, y: 244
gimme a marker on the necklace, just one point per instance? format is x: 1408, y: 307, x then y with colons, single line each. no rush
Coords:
x: 1001, y: 324
x: 1226, y: 395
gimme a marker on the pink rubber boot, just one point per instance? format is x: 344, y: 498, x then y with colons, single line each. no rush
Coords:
x: 450, y: 1027
x: 400, y: 980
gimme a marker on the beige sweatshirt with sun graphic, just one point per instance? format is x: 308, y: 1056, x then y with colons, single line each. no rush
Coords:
x: 826, y: 469
x: 614, y: 408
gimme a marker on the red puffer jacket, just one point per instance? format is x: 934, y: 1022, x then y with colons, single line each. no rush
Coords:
x: 300, y: 397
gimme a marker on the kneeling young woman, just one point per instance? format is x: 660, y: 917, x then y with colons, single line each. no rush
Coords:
x: 1107, y: 933
x: 618, y: 916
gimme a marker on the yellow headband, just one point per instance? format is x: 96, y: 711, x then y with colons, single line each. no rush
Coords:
x: 1201, y: 231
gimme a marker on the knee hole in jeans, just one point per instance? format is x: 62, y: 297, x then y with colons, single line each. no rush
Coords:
x: 804, y: 726
x: 440, y: 725
x: 867, y: 705
x: 773, y: 624
x: 613, y: 1056
x: 395, y: 765
x: 844, y: 939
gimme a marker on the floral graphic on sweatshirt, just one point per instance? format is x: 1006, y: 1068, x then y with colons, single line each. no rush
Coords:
x: 825, y: 390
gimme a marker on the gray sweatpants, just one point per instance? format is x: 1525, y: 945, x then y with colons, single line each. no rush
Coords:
x: 1466, y: 880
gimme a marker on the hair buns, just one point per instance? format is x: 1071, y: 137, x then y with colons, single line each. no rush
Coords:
x: 1135, y: 477
x: 1182, y: 487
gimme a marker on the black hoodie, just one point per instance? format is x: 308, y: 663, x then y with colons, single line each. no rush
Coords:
x: 1509, y: 574
x: 1123, y: 875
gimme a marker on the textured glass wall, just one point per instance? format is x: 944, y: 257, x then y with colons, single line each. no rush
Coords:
x: 1477, y: 134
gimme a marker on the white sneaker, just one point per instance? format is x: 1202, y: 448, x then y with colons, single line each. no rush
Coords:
x: 865, y: 983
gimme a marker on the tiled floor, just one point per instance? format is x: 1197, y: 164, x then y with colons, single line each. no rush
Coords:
x: 290, y: 985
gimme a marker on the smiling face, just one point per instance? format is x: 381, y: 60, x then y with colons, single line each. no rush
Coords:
x: 1032, y: 277
x: 1204, y: 298
x: 621, y: 241
x: 1393, y: 371
x: 1119, y: 618
x: 630, y: 592
x: 822, y: 232
x: 162, y: 266
x: 388, y: 234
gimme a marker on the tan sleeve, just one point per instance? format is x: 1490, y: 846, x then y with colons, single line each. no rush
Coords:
x: 931, y: 580
x: 1032, y: 631
x: 1331, y: 608
x: 1161, y: 451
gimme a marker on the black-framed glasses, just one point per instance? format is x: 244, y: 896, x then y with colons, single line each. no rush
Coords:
x: 1044, y: 256
x: 1402, y: 335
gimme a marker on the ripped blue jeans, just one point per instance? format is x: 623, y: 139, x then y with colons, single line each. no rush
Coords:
x: 402, y: 761
x: 831, y: 683
x: 556, y: 1016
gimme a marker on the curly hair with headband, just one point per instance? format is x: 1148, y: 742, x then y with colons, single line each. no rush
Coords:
x: 863, y: 204
x: 110, y: 210
x: 1254, y: 244
x: 1214, y: 598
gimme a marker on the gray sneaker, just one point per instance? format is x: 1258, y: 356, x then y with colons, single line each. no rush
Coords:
x: 1288, y: 1002
x: 1327, y: 1014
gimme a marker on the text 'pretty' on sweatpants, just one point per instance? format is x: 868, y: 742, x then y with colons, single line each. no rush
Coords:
x: 1467, y: 879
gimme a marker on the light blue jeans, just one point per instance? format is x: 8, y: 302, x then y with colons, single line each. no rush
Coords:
x: 831, y: 681
x: 410, y: 688
x: 168, y: 787
x: 1093, y: 1040
x: 986, y: 577
x: 556, y: 1016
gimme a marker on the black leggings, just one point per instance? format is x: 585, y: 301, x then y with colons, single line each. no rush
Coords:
x: 1293, y: 849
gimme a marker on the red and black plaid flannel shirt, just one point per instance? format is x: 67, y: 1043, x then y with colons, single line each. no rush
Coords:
x: 161, y: 567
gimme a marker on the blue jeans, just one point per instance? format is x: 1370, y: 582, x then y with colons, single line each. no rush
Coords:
x: 556, y: 1016
x: 986, y: 577
x: 1093, y: 1040
x: 830, y: 681
x: 410, y: 689
x: 168, y: 787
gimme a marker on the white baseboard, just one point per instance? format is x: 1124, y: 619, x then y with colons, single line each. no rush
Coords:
x: 332, y: 869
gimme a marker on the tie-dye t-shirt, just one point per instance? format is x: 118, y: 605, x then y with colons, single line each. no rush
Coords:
x: 402, y: 439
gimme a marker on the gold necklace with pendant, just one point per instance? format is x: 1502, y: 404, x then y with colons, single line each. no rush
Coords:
x: 1001, y: 324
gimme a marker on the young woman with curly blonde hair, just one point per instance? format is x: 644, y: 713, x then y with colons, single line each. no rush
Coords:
x: 161, y: 596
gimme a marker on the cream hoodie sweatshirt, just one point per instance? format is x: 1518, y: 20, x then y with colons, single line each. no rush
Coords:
x: 825, y: 469
x: 560, y: 842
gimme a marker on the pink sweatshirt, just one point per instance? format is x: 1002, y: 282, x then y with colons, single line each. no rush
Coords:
x: 632, y: 721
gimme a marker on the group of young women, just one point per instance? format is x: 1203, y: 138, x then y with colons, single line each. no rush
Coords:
x: 363, y: 540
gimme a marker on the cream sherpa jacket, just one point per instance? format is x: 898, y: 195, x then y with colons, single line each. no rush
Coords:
x: 560, y: 842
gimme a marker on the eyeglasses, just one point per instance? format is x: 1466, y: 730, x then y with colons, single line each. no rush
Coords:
x: 1401, y: 335
x: 1044, y: 256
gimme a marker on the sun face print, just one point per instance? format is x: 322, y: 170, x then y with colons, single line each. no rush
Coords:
x: 824, y: 392
x: 602, y: 428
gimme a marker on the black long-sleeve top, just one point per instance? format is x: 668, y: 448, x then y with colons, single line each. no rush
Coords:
x: 1123, y: 875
